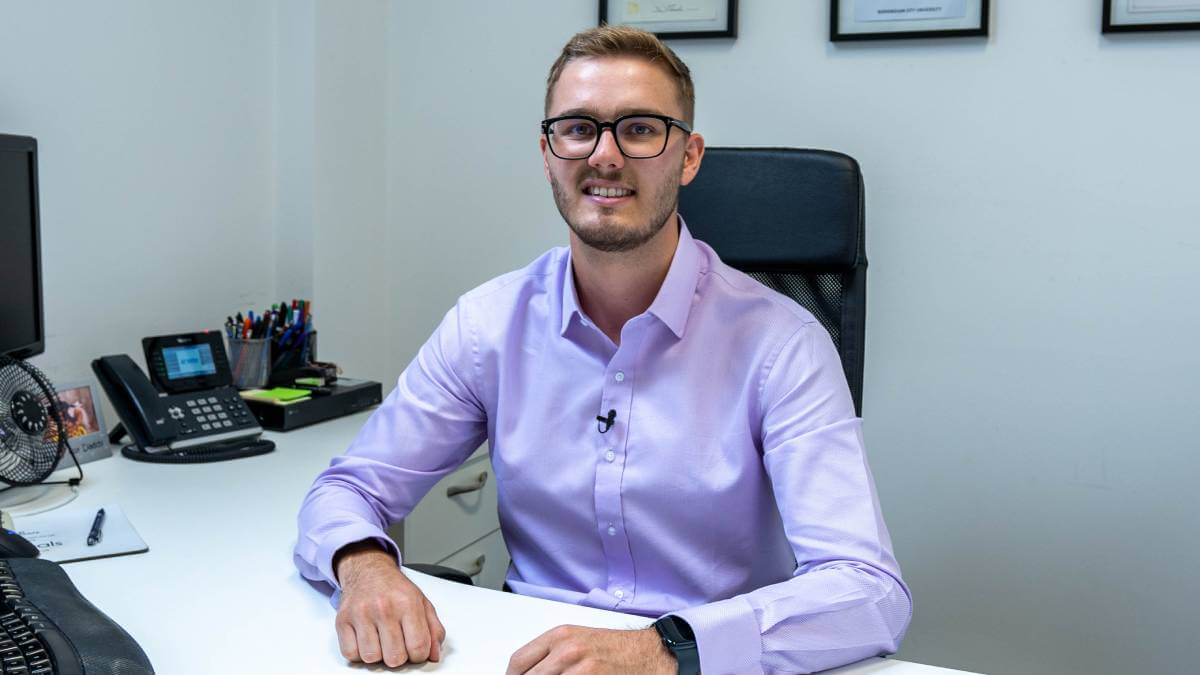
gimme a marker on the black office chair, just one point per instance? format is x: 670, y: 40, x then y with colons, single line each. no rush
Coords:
x: 794, y: 220
x: 442, y: 572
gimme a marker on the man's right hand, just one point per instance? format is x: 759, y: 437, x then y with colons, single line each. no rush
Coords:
x: 383, y: 615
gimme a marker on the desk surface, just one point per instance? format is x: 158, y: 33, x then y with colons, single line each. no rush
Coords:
x: 219, y: 576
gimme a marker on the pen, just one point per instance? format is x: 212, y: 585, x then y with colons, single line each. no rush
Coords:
x: 97, y: 533
x: 304, y: 339
x: 287, y: 334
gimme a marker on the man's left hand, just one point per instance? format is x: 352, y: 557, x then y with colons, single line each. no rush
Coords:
x: 579, y: 651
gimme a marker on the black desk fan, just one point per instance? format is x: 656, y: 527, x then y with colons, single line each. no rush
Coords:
x: 33, y: 437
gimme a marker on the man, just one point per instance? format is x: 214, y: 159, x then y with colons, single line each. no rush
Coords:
x: 669, y: 437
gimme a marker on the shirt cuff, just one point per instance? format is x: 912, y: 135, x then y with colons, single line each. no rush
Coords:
x: 334, y: 541
x: 727, y: 636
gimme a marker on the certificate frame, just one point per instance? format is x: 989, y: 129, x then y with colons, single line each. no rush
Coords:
x: 843, y: 27
x: 1117, y: 17
x: 723, y: 23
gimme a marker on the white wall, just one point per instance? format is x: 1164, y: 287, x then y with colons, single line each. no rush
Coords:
x: 1033, y: 239
x: 295, y: 144
x: 332, y: 109
x: 201, y: 158
x: 154, y: 123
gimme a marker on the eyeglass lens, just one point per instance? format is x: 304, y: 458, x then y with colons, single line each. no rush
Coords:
x: 637, y: 137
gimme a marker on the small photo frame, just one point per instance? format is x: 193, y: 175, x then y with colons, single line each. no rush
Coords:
x: 84, y: 423
x: 674, y: 20
x: 1137, y: 16
x: 907, y: 19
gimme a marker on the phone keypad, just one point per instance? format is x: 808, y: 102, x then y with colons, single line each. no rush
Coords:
x: 206, y: 414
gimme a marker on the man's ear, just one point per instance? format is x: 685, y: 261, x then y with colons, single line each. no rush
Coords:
x: 693, y: 152
x: 545, y: 156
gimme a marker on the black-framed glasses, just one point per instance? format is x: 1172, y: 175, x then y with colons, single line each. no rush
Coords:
x: 638, y: 136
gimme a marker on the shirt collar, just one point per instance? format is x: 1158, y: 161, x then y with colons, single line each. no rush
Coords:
x: 673, y: 303
x: 570, y: 300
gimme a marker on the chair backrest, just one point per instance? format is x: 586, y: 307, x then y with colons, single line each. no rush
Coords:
x: 794, y: 220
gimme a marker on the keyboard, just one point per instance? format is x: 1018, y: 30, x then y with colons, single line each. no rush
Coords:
x: 47, y: 626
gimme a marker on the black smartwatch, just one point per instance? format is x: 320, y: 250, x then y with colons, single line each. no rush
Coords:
x: 678, y: 637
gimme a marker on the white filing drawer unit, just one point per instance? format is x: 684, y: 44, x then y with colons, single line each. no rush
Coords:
x: 456, y: 525
x: 486, y: 561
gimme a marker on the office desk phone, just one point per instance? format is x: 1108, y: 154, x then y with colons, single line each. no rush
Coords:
x: 188, y: 400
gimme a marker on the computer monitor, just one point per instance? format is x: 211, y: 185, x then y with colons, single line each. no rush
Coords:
x: 22, y: 332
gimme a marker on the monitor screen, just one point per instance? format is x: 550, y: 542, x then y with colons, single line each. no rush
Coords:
x: 189, y: 361
x: 21, y: 333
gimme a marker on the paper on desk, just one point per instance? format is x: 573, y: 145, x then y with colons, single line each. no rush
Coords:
x: 61, y: 535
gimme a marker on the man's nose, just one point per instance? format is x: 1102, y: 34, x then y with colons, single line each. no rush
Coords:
x: 607, y: 154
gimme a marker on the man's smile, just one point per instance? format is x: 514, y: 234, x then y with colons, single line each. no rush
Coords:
x: 607, y: 193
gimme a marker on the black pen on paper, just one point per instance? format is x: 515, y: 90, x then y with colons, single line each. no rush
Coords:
x: 97, y: 531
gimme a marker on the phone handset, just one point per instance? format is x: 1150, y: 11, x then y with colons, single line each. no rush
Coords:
x: 135, y: 400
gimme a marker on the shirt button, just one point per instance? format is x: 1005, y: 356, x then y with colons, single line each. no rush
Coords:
x: 612, y: 531
x: 619, y: 377
x: 610, y: 455
x: 619, y: 593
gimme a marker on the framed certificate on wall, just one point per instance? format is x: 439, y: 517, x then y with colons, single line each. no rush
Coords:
x: 896, y: 19
x: 670, y: 20
x: 1127, y: 16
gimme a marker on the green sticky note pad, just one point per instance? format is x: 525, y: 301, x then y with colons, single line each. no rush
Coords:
x: 278, y: 394
x: 311, y: 381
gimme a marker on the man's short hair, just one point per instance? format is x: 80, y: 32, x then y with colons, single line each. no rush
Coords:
x: 625, y: 41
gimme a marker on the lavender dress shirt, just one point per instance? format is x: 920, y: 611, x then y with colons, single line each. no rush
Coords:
x: 732, y: 489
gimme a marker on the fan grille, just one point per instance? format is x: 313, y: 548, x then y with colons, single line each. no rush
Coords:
x: 32, y: 441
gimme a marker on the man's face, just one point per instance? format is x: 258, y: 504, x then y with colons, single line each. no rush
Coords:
x: 606, y: 88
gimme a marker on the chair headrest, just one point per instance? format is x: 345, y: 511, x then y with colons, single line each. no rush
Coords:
x: 765, y: 209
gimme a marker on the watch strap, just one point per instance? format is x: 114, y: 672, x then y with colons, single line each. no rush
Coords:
x: 677, y: 636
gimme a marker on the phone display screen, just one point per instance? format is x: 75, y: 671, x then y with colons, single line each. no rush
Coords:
x: 189, y: 361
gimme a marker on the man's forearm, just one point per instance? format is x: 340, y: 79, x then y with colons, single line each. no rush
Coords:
x: 352, y: 559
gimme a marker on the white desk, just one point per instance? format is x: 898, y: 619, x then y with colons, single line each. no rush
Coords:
x: 219, y: 576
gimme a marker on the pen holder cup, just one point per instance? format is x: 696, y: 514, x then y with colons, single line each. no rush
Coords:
x: 251, y: 362
x: 290, y: 358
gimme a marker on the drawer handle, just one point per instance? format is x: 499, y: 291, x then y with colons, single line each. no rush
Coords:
x: 454, y: 490
x: 477, y: 566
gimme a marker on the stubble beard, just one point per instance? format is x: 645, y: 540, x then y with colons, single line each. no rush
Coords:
x: 609, y: 235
